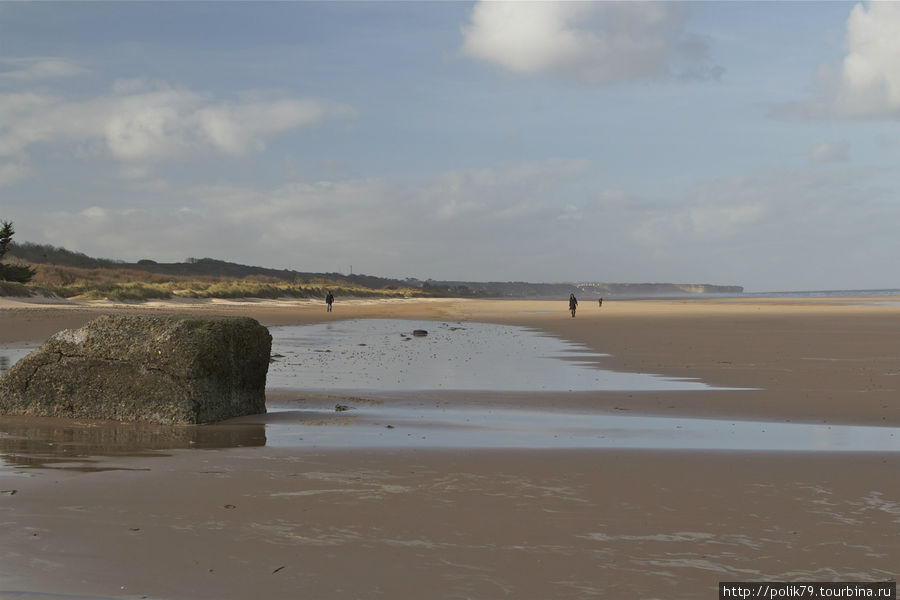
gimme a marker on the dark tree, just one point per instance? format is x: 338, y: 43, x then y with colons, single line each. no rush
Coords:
x: 6, y: 233
x: 16, y: 273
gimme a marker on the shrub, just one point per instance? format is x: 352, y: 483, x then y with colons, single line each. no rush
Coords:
x: 16, y: 273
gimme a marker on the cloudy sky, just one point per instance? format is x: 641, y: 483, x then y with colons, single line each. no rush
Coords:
x: 714, y: 142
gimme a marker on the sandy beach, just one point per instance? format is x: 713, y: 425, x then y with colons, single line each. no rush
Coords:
x: 258, y: 520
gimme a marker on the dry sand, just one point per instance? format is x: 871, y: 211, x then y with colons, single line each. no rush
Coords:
x: 274, y: 523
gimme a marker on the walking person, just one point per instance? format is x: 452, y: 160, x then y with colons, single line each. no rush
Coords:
x: 573, y: 303
x: 329, y: 300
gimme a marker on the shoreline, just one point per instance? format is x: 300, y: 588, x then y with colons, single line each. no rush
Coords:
x: 282, y: 523
x: 802, y: 360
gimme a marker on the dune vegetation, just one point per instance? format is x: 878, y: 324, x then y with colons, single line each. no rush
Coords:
x: 131, y: 285
x: 39, y: 269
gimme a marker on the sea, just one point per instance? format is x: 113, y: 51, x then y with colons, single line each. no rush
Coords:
x: 824, y: 294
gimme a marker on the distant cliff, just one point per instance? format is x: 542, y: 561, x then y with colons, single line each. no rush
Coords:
x: 657, y: 289
x: 523, y: 289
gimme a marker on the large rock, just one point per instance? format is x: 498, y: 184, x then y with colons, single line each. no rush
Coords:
x: 164, y: 369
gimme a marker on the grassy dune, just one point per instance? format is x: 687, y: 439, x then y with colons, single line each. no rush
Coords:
x: 8, y: 288
x: 136, y: 285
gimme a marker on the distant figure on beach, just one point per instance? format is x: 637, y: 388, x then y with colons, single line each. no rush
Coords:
x: 600, y: 302
x: 329, y: 300
x: 573, y: 303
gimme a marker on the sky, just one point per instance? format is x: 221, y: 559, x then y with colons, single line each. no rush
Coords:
x: 732, y: 143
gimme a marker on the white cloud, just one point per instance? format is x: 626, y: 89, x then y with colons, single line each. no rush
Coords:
x: 828, y: 152
x: 168, y: 123
x: 30, y: 69
x: 241, y: 128
x: 151, y: 122
x: 542, y: 220
x: 867, y: 82
x: 148, y: 126
x: 771, y: 230
x: 590, y: 42
x: 145, y: 232
x: 442, y: 224
x: 765, y: 208
x: 12, y: 172
x: 19, y: 123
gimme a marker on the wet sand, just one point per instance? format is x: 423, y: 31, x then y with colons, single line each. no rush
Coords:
x: 276, y: 522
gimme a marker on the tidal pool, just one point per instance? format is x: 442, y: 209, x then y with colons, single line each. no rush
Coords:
x: 27, y: 445
x: 398, y: 427
x: 383, y: 354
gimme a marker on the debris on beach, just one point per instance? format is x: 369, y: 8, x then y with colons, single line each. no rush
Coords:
x: 420, y: 332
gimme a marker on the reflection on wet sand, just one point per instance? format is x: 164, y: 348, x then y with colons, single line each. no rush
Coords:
x: 80, y: 445
x: 9, y: 595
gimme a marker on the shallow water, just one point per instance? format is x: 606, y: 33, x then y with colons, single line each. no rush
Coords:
x: 383, y: 426
x: 28, y: 443
x: 383, y: 354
